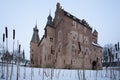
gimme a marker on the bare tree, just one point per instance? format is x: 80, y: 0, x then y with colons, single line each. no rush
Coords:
x: 7, y: 73
x: 31, y: 73
x: 18, y: 62
x: 83, y: 67
x: 52, y: 74
x: 2, y: 75
x: 24, y: 72
x: 12, y: 54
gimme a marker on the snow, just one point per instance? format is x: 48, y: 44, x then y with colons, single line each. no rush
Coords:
x: 96, y: 44
x: 28, y: 73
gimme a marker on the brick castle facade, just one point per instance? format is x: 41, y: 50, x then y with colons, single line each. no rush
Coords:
x: 68, y: 42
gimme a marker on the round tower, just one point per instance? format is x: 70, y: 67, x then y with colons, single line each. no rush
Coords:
x: 33, y: 47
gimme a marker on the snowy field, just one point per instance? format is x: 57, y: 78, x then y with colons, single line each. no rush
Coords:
x: 27, y: 73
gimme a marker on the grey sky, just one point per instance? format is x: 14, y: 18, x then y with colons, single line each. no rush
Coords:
x: 22, y: 15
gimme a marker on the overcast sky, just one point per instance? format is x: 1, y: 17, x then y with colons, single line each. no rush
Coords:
x: 22, y: 15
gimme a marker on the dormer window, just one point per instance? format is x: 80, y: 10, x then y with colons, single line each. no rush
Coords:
x: 74, y: 24
x: 68, y: 14
x: 74, y: 17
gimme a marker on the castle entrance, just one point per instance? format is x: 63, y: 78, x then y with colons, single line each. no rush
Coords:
x: 94, y: 65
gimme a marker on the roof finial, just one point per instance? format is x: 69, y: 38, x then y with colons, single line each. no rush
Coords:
x: 58, y: 5
x: 36, y: 24
x: 49, y: 19
x: 49, y: 12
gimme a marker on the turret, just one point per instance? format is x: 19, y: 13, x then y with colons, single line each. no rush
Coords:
x: 34, y: 47
x: 49, y: 21
x: 35, y: 37
x: 94, y: 36
x: 49, y: 25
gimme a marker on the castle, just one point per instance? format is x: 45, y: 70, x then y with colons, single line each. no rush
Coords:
x: 68, y: 42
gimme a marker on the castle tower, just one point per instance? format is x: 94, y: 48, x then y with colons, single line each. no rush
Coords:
x: 33, y: 46
x: 68, y: 42
x: 48, y: 25
x: 48, y: 56
x: 94, y: 36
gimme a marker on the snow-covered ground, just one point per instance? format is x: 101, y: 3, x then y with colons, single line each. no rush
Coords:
x: 27, y: 73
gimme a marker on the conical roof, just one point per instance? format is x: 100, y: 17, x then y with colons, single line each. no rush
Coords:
x: 35, y: 37
x: 49, y: 20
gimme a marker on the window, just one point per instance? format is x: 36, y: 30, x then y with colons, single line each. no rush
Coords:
x: 45, y: 58
x: 60, y: 35
x: 74, y: 24
x: 64, y: 61
x: 73, y: 47
x: 68, y: 14
x: 59, y: 47
x: 80, y: 37
x: 87, y: 51
x: 75, y: 37
x: 71, y: 61
x: 43, y: 50
x: 85, y: 29
x: 90, y: 60
x: 51, y: 39
x: 52, y: 51
x: 45, y: 32
x: 85, y: 40
x: 79, y: 26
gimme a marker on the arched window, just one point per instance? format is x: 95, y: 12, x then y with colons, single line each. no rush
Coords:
x: 75, y: 37
x: 73, y: 47
x: 86, y: 51
x: 60, y: 35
